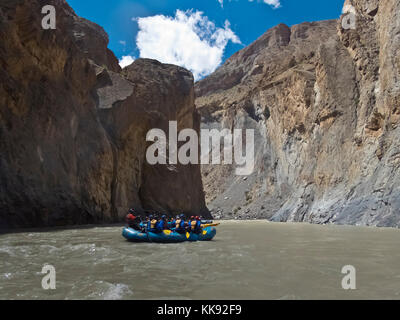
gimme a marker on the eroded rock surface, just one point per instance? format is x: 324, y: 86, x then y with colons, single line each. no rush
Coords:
x: 73, y: 125
x: 324, y: 102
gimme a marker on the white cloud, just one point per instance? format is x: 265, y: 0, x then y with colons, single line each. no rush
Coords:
x: 126, y: 61
x: 189, y: 40
x: 274, y: 3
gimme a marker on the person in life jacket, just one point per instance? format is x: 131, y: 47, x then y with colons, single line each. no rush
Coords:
x: 162, y: 225
x: 197, y: 227
x: 133, y: 221
x: 172, y: 223
x: 190, y: 224
x: 151, y: 224
x: 180, y: 224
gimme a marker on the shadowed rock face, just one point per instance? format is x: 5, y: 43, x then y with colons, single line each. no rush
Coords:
x: 73, y: 125
x: 324, y: 103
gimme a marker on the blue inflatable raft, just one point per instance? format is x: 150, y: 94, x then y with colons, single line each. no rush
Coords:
x: 168, y: 236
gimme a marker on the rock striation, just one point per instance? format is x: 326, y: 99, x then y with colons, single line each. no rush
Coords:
x: 324, y: 101
x: 73, y: 125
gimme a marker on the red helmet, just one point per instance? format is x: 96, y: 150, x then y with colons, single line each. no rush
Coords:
x: 197, y: 218
x: 131, y: 217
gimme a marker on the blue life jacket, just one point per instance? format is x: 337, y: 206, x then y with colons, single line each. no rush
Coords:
x: 181, y: 227
x: 198, y: 226
x: 160, y: 226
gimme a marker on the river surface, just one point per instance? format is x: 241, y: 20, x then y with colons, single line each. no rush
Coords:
x: 247, y: 260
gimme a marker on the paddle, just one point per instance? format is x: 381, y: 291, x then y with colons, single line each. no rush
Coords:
x: 210, y: 225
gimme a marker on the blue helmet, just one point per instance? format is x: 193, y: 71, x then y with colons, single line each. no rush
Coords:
x: 151, y: 216
x: 182, y: 216
x: 163, y: 216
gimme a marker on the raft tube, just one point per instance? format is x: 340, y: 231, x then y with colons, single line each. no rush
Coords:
x: 168, y: 236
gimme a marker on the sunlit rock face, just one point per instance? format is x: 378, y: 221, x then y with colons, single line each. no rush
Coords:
x: 73, y: 125
x: 324, y: 102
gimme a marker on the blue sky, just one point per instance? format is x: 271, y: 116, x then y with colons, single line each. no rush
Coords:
x: 150, y: 28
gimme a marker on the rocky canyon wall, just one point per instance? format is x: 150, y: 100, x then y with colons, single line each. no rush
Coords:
x: 324, y: 102
x: 73, y: 125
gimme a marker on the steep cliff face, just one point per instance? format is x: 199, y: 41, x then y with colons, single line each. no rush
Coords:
x: 148, y: 95
x: 324, y: 103
x: 73, y: 125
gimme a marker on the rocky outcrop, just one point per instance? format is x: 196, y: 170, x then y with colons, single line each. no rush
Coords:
x: 148, y: 95
x: 73, y: 125
x: 324, y: 102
